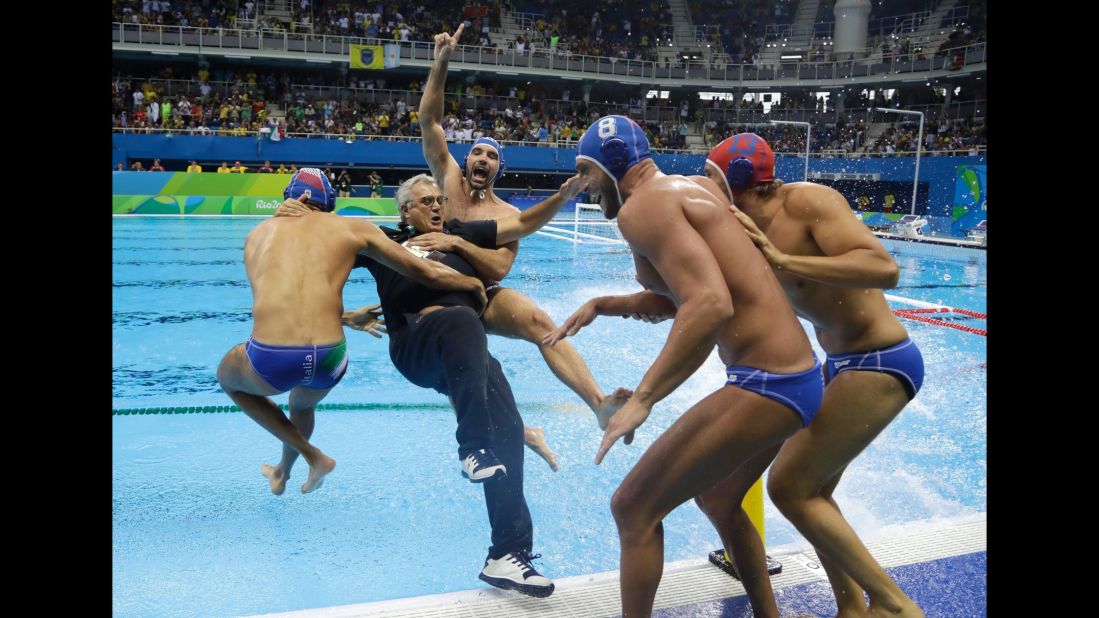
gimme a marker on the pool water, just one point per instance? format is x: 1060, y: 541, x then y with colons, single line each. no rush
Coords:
x: 196, y: 530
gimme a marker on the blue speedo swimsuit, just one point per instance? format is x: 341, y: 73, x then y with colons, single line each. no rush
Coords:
x: 902, y: 360
x: 286, y: 367
x: 801, y: 392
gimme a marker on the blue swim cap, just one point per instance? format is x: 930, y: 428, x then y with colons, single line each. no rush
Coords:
x: 614, y: 143
x: 310, y: 185
x: 491, y: 143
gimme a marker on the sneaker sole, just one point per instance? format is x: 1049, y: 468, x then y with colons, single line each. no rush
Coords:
x: 498, y: 473
x: 540, y: 592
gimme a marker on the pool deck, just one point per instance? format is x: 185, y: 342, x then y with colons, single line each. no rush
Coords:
x: 942, y: 567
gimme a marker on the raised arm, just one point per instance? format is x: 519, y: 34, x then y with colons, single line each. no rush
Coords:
x: 853, y: 256
x: 375, y: 244
x: 532, y: 219
x: 442, y: 165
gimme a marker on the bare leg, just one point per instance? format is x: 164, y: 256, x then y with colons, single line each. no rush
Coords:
x: 278, y: 474
x: 535, y: 438
x: 722, y: 505
x: 850, y: 597
x: 857, y: 406
x: 513, y: 315
x: 249, y: 391
x: 709, y: 442
x: 303, y: 403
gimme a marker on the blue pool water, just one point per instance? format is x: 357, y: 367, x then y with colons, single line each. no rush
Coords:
x: 197, y: 532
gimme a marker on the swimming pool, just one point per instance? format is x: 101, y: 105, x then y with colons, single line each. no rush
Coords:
x: 197, y: 532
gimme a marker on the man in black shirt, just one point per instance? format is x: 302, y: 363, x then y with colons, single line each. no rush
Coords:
x: 437, y: 340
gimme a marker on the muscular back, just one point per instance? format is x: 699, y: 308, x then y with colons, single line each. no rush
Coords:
x: 764, y: 332
x: 814, y: 220
x: 297, y: 267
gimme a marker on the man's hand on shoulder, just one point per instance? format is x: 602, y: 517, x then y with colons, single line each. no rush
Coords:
x: 292, y: 208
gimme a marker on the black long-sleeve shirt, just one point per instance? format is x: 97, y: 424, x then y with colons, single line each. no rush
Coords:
x: 400, y: 295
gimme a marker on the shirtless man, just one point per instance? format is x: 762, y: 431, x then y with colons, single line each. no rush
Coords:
x: 697, y: 265
x: 833, y: 270
x: 469, y: 188
x: 297, y: 267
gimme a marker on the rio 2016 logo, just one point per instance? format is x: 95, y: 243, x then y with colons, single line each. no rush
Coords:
x: 267, y: 204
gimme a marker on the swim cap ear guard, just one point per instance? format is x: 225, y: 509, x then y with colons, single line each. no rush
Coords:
x: 616, y: 156
x: 745, y: 160
x: 739, y: 173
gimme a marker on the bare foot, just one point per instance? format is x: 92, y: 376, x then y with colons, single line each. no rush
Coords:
x: 275, y: 475
x: 536, y: 440
x: 610, y: 404
x: 317, y: 473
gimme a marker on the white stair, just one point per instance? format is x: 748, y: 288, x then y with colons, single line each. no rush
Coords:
x: 511, y: 27
x: 801, y: 35
x: 694, y: 140
x: 281, y: 10
x: 274, y: 110
x: 930, y: 35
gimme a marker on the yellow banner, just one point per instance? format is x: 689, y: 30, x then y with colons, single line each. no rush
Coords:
x: 367, y: 57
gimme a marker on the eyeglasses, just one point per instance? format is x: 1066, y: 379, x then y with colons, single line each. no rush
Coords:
x: 428, y: 200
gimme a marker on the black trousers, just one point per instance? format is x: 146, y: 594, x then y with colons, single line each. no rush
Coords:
x: 447, y: 350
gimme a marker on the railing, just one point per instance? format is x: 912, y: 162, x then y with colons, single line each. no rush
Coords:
x: 912, y: 24
x: 191, y: 87
x: 337, y: 49
x: 702, y: 33
x: 937, y: 111
x: 549, y: 143
x: 896, y: 24
x: 749, y: 115
x: 526, y: 21
x: 954, y: 109
x: 777, y: 31
x: 362, y: 95
x: 954, y: 16
x: 351, y: 137
x: 824, y: 29
x: 981, y: 150
x: 468, y: 103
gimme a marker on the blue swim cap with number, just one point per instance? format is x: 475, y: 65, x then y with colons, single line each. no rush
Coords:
x: 614, y: 143
x: 310, y: 185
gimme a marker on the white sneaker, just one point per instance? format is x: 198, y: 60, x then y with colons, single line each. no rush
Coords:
x: 514, y: 572
x: 480, y: 466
